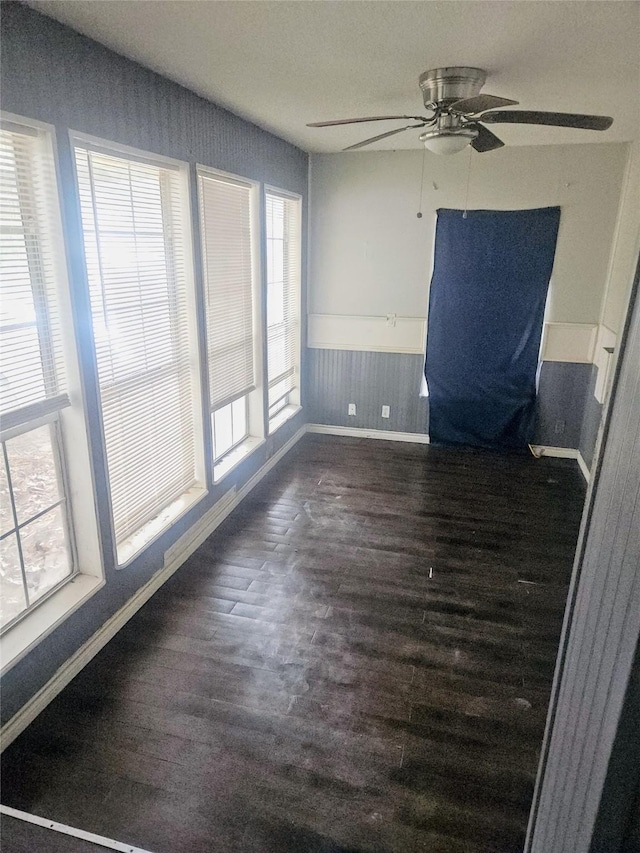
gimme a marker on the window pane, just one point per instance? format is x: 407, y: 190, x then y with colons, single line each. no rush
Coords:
x: 34, y: 477
x: 30, y: 330
x: 134, y: 219
x: 275, y: 303
x: 283, y: 293
x: 239, y: 411
x: 45, y: 553
x: 12, y: 599
x: 6, y: 514
x: 222, y: 431
x: 228, y: 242
x: 22, y: 375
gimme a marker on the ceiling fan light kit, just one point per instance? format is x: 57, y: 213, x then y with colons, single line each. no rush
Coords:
x: 447, y: 141
x: 452, y: 94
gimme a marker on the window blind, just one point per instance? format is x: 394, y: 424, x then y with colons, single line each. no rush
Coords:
x: 32, y: 379
x: 135, y: 248
x: 283, y: 232
x: 227, y: 256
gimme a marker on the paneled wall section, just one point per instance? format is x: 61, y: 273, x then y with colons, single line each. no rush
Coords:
x: 370, y: 380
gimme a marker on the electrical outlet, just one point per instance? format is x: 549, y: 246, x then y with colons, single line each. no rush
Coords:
x: 385, y: 411
x: 559, y: 427
x: 352, y: 409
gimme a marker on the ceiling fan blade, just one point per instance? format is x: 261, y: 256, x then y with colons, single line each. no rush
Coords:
x: 381, y: 136
x: 366, y: 118
x: 485, y: 140
x: 479, y: 103
x: 583, y: 122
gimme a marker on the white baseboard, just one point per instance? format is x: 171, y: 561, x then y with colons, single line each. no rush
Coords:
x: 175, y: 556
x: 64, y: 829
x: 562, y: 453
x: 383, y: 434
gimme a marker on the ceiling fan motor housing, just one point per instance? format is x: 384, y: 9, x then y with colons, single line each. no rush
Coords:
x: 442, y: 86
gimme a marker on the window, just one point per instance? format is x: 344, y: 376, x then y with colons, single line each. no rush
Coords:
x: 136, y: 240
x: 229, y: 258
x: 283, y: 215
x: 36, y: 538
x: 230, y: 427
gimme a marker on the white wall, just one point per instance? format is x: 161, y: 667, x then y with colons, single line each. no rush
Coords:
x: 371, y: 255
x: 625, y: 248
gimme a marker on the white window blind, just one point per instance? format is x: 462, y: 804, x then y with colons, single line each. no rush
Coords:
x: 228, y: 264
x: 32, y: 378
x: 283, y: 234
x: 134, y: 237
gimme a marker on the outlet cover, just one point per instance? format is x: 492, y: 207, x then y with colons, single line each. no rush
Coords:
x: 385, y: 411
x: 352, y: 409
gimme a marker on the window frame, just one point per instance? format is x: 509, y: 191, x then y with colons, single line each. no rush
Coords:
x: 155, y: 527
x: 218, y: 459
x: 292, y: 405
x: 68, y: 411
x: 255, y: 437
x: 52, y: 420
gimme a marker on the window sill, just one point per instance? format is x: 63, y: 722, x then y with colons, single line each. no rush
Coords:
x: 141, y: 539
x: 282, y: 417
x: 235, y: 457
x: 26, y: 634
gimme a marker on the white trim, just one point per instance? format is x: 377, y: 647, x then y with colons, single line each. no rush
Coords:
x: 233, y: 458
x: 604, y: 360
x: 23, y: 420
x: 174, y: 557
x: 367, y: 333
x: 116, y: 149
x: 54, y: 826
x: 571, y: 342
x: 566, y: 342
x: 229, y: 177
x: 383, y: 434
x: 281, y: 417
x: 134, y: 545
x: 539, y: 450
x: 38, y: 623
x: 586, y: 473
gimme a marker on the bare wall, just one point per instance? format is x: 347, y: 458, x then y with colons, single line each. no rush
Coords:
x: 371, y: 255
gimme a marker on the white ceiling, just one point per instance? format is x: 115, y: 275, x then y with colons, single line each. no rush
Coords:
x: 281, y: 64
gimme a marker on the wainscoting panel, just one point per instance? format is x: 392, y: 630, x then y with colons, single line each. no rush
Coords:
x: 373, y: 379
x: 591, y: 420
x: 370, y: 380
x: 562, y: 396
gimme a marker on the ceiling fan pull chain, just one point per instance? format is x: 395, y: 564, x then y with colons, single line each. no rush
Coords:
x: 424, y: 155
x: 466, y: 195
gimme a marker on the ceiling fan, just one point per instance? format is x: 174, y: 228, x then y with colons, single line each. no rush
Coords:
x: 460, y: 113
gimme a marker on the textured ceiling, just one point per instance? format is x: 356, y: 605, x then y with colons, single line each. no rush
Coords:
x: 282, y: 64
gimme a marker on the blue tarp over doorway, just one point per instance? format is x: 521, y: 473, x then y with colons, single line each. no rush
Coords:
x: 486, y: 309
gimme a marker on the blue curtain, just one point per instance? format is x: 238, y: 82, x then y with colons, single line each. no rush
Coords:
x: 486, y: 309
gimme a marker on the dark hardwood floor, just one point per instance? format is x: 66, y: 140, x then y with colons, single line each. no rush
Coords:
x: 359, y: 659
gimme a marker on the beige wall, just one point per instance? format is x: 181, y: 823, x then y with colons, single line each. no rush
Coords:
x: 626, y: 246
x: 371, y: 255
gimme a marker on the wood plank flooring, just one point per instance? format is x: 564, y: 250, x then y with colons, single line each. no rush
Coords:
x: 359, y: 659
